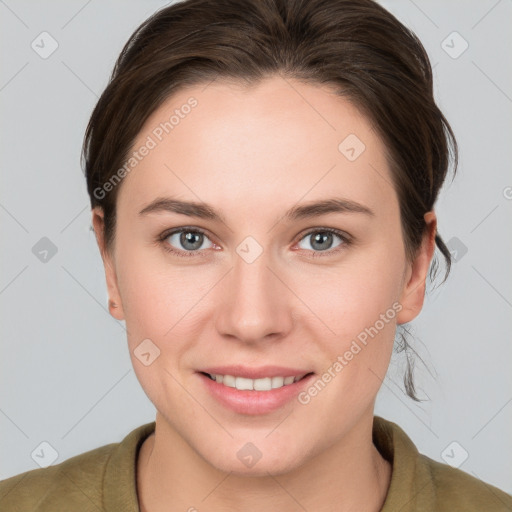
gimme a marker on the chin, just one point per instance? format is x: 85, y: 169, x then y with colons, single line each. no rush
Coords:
x: 249, y: 460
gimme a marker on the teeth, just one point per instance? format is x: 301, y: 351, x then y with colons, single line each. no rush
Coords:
x: 227, y: 380
x: 264, y: 384
x: 277, y: 382
x: 242, y: 383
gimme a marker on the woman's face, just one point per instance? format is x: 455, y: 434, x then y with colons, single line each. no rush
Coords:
x: 254, y: 281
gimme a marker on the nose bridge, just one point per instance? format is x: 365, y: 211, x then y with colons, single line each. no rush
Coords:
x: 256, y: 304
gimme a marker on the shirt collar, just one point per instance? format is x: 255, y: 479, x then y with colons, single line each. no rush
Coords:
x: 411, y: 487
x: 119, y: 481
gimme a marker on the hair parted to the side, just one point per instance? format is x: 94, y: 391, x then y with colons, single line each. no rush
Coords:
x: 354, y: 46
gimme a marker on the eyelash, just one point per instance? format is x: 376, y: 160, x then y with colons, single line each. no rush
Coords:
x: 316, y: 254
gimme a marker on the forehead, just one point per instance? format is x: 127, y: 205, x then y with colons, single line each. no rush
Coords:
x: 270, y: 143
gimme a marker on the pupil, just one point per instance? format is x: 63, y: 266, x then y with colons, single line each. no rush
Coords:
x: 191, y: 238
x: 321, y: 237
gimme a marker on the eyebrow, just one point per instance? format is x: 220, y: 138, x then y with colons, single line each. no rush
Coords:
x: 304, y: 211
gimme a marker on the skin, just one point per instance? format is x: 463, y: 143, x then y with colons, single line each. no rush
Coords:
x: 253, y: 153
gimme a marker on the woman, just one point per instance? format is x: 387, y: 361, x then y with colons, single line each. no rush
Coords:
x: 262, y: 177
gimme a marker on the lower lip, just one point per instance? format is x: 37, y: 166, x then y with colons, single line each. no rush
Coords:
x: 251, y: 401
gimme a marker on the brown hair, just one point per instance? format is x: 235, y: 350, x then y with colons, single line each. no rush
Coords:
x: 355, y: 46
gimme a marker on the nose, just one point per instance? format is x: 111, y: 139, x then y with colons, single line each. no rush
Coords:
x: 254, y: 303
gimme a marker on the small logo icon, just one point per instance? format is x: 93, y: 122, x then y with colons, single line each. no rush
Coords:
x: 351, y: 147
x: 454, y: 45
x: 249, y: 249
x: 146, y: 352
x: 44, y: 250
x: 44, y: 454
x: 454, y: 454
x: 457, y: 248
x: 249, y: 455
x: 44, y: 45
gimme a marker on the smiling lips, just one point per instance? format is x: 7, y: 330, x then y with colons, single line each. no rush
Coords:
x: 254, y: 391
x: 246, y: 378
x: 263, y: 384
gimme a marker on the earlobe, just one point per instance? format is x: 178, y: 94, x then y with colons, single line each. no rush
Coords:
x: 413, y: 292
x: 114, y: 304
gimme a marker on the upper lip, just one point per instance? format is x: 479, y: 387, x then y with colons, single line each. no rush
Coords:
x: 253, y: 372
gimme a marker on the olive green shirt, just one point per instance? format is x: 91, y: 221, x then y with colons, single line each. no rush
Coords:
x: 104, y: 479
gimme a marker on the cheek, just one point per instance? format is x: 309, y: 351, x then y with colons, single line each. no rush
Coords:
x: 360, y: 311
x: 352, y: 296
x: 355, y: 306
x: 162, y: 301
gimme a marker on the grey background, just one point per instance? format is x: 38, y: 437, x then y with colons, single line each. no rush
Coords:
x: 66, y: 376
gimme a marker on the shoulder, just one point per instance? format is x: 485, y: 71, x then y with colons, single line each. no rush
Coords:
x: 99, y: 479
x: 456, y: 488
x: 421, y: 483
x: 75, y: 481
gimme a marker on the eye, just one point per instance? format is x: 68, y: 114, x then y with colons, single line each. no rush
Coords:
x: 185, y: 241
x: 321, y: 240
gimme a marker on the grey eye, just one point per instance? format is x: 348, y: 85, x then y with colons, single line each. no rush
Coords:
x: 188, y: 240
x: 321, y: 240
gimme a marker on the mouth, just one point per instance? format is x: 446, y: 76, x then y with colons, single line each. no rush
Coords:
x: 261, y: 384
x: 268, y: 392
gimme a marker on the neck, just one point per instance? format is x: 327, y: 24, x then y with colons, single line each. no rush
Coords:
x: 172, y: 476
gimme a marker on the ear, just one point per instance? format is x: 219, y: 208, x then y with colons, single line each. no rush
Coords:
x: 115, y: 305
x: 413, y: 292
